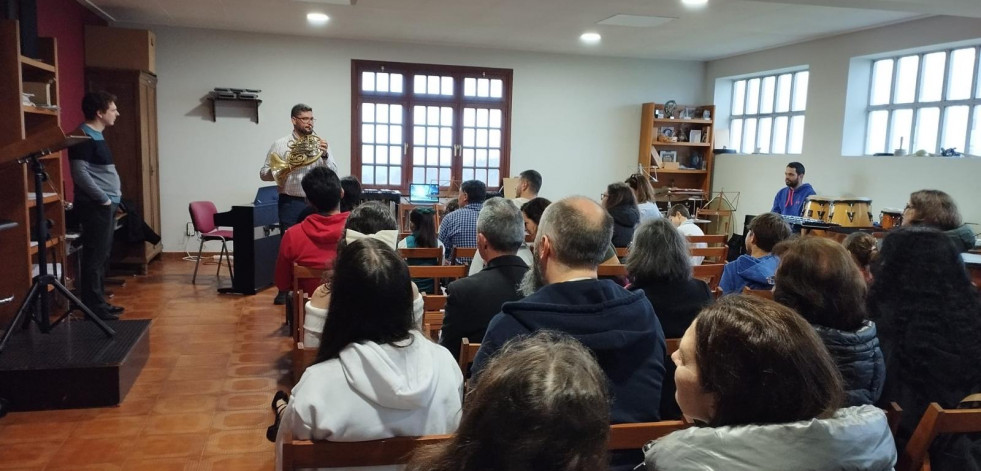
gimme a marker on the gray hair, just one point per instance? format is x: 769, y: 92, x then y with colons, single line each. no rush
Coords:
x: 579, y: 240
x: 658, y: 254
x: 501, y: 224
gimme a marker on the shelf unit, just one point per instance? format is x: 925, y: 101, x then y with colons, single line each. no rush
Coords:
x: 18, y: 122
x: 699, y: 156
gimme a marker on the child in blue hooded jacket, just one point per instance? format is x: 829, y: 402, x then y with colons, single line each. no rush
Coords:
x: 756, y: 268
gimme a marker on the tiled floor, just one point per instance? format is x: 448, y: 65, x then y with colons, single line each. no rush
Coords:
x: 202, y: 401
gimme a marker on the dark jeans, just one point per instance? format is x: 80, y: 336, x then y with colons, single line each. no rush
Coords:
x: 98, y: 224
x: 290, y: 208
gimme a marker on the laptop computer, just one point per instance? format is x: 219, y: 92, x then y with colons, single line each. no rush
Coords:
x: 423, y: 193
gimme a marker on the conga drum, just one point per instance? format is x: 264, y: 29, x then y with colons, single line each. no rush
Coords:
x: 890, y: 218
x: 818, y: 207
x: 851, y: 212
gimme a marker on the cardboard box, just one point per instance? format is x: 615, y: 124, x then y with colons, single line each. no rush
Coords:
x: 672, y: 165
x: 118, y: 48
x: 41, y: 91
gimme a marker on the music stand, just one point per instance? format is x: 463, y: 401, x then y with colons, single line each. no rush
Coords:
x: 47, y: 142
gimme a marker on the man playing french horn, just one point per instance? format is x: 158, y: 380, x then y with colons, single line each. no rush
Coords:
x: 289, y: 159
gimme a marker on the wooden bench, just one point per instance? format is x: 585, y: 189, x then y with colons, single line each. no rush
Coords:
x: 936, y: 420
x: 423, y: 253
x: 468, y: 351
x: 707, y: 239
x: 710, y: 274
x: 438, y: 272
x: 611, y: 270
x: 462, y: 252
x: 716, y: 254
x: 303, y: 357
x: 301, y: 273
x: 763, y: 293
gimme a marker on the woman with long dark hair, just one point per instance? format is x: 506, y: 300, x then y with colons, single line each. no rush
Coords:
x: 540, y: 404
x: 376, y: 376
x: 422, y: 221
x: 929, y: 319
x: 619, y: 201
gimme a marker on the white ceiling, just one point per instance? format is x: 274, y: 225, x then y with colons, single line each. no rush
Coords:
x: 723, y: 28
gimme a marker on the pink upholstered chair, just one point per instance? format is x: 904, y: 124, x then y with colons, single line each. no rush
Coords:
x: 203, y: 218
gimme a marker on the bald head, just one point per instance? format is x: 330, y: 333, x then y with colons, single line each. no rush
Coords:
x: 579, y: 230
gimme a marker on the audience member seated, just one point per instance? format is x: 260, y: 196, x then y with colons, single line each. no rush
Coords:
x: 765, y: 393
x: 929, y: 324
x: 524, y: 251
x: 459, y: 228
x: 352, y: 193
x: 756, y: 268
x: 471, y: 302
x: 644, y: 192
x: 376, y: 376
x: 818, y: 279
x: 619, y: 201
x: 312, y: 242
x: 370, y: 220
x: 564, y: 294
x: 531, y: 213
x: 863, y: 248
x: 937, y: 209
x: 423, y: 223
x: 529, y: 184
x: 681, y: 218
x: 658, y: 263
x: 541, y: 404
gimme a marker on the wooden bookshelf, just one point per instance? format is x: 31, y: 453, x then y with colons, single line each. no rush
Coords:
x: 695, y: 160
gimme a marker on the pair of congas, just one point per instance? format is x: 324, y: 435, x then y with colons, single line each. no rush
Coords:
x: 845, y: 212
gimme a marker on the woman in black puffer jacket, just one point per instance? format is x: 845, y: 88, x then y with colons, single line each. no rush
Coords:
x: 620, y: 202
x: 818, y: 279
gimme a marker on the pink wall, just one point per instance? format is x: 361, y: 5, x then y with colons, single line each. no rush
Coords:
x: 65, y: 20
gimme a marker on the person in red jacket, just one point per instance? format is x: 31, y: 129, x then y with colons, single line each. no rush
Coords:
x: 313, y: 241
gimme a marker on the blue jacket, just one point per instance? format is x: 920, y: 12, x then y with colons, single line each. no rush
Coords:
x: 619, y: 326
x: 860, y: 361
x: 790, y: 202
x: 757, y: 273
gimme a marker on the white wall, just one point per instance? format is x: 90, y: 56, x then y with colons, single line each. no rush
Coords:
x: 575, y: 118
x: 887, y: 180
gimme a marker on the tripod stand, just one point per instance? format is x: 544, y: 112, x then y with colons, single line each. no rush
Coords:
x: 37, y: 304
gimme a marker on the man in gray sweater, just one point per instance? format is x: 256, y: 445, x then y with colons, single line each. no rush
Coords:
x: 97, y: 195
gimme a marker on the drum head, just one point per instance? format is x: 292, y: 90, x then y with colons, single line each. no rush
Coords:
x: 822, y: 199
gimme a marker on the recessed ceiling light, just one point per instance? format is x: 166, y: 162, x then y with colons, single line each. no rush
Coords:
x: 695, y: 3
x: 590, y: 38
x: 317, y: 18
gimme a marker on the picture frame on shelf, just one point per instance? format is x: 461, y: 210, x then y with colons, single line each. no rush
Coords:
x: 688, y: 113
x: 707, y: 115
x: 695, y: 136
x: 669, y: 156
x: 667, y: 131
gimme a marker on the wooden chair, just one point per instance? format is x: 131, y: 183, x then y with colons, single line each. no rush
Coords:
x: 711, y: 274
x: 438, y: 272
x: 433, y: 302
x: 611, y: 270
x: 426, y: 254
x: 708, y: 239
x: 716, y: 254
x: 463, y: 252
x: 894, y: 414
x: 635, y: 436
x: 763, y: 293
x: 936, y: 420
x: 432, y: 323
x: 621, y: 251
x: 673, y: 345
x: 301, y: 273
x: 468, y: 351
x: 302, y: 358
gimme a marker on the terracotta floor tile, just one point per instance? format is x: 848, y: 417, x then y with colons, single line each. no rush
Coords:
x: 38, y: 431
x: 233, y: 442
x: 192, y: 387
x: 184, y: 374
x: 83, y: 451
x: 145, y: 390
x: 161, y: 361
x: 153, y: 375
x: 240, y: 385
x: 222, y: 346
x: 204, y: 360
x: 186, y: 446
x: 106, y: 427
x: 243, y: 419
x: 186, y: 404
x: 162, y: 464
x: 50, y: 416
x: 197, y: 422
x: 33, y: 455
x: 131, y: 406
x: 244, y: 462
x: 251, y: 371
x: 245, y: 401
x: 90, y: 467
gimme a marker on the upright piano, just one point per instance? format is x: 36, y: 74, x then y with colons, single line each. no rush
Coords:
x: 255, y: 240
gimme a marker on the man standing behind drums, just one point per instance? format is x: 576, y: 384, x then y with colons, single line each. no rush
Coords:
x: 289, y: 159
x: 790, y: 200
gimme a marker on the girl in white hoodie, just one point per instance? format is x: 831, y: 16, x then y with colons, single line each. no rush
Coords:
x: 376, y: 376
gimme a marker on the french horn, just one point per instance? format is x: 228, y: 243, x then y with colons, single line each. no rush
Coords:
x: 302, y: 152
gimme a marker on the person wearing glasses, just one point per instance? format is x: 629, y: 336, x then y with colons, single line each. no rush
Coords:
x: 289, y: 159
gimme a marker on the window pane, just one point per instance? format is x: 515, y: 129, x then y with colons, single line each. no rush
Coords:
x: 469, y: 87
x: 493, y: 177
x: 446, y: 87
x: 467, y: 174
x: 468, y: 157
x: 432, y: 136
x: 927, y: 123
x: 368, y: 81
x: 483, y: 87
x: 796, y: 144
x: 481, y: 158
x: 469, y: 116
x: 481, y: 138
x: 432, y: 115
x: 395, y: 114
x: 780, y: 133
x: 482, y: 118
x: 432, y: 156
x: 494, y: 158
x: 432, y: 85
x: 382, y: 81
x: 468, y: 137
x: 368, y: 154
x: 367, y: 112
x: 736, y: 134
x: 955, y: 127
x: 800, y: 92
x: 382, y: 110
x: 961, y: 74
x: 445, y: 157
x: 367, y: 175
x: 419, y: 135
x: 906, y: 79
x: 481, y: 175
x: 395, y: 176
x: 418, y: 155
x: 765, y: 127
x: 368, y: 133
x: 495, y: 118
x: 749, y: 136
x: 395, y: 134
x: 432, y: 175
x: 381, y: 155
x: 783, y: 93
x: 381, y: 175
x: 933, y: 76
x: 738, y: 96
x: 419, y: 85
x: 446, y: 116
x: 875, y: 140
x: 444, y: 176
x: 881, y: 82
x: 497, y: 88
x: 419, y: 115
x: 445, y: 136
x: 381, y: 134
x: 494, y: 138
x: 902, y: 121
x: 396, y: 83
x: 418, y: 175
x: 769, y: 85
x: 752, y: 96
x: 975, y: 147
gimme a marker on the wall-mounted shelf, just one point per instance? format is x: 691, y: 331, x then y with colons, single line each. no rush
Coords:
x: 215, y: 100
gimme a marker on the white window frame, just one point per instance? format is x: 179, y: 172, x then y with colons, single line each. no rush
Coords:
x: 973, y: 102
x: 772, y: 115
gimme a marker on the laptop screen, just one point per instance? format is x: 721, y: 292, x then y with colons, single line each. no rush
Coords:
x: 423, y: 193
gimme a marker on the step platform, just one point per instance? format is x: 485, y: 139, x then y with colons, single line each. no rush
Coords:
x: 74, y: 366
